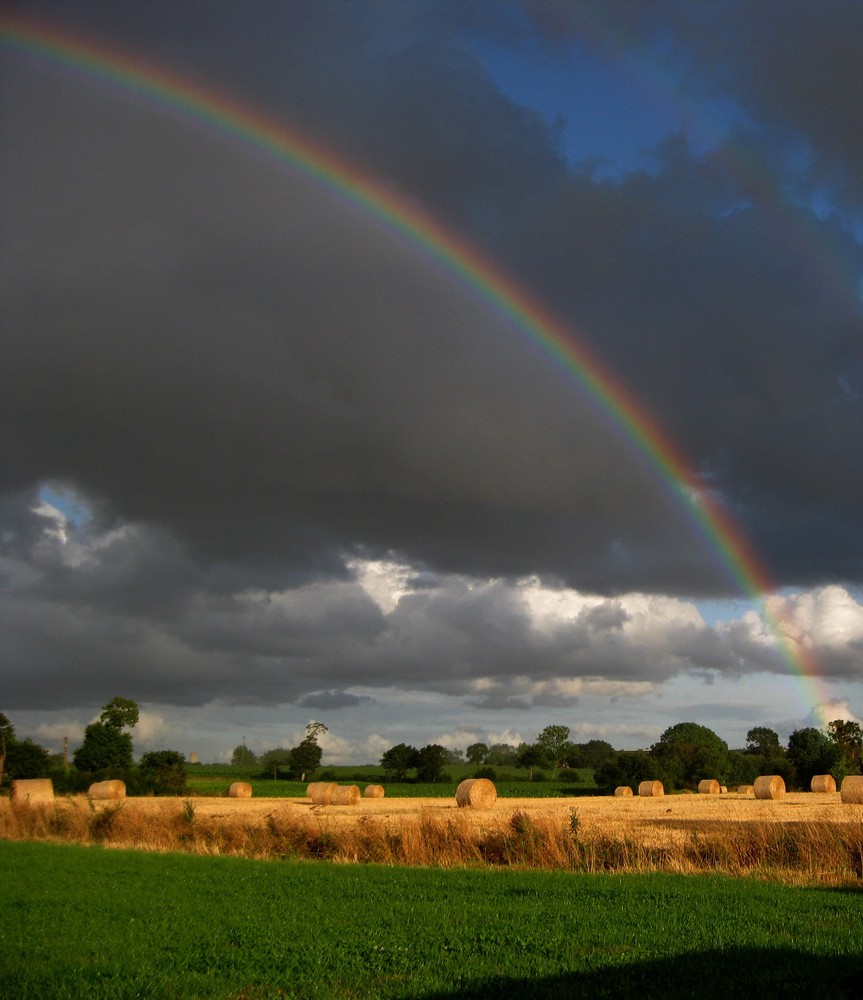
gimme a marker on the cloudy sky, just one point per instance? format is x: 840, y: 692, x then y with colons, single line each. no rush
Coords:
x: 265, y: 459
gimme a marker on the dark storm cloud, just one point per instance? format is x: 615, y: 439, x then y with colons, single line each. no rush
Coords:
x: 250, y: 382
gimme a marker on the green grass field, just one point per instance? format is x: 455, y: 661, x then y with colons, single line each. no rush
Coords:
x: 88, y: 922
x: 215, y: 779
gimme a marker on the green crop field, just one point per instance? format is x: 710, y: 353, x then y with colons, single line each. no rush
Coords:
x: 89, y: 922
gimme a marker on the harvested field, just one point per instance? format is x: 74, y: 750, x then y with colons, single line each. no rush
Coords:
x: 804, y: 837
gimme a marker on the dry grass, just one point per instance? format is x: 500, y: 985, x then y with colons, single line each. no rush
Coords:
x: 804, y: 839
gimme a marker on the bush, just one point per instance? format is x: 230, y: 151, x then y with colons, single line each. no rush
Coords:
x: 486, y: 772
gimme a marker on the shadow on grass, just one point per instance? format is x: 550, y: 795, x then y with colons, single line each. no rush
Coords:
x: 738, y: 972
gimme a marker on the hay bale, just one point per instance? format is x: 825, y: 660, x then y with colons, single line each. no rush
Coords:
x: 745, y: 789
x: 32, y: 791
x: 623, y: 791
x: 321, y: 792
x: 374, y: 792
x: 648, y: 789
x: 113, y: 789
x: 723, y: 789
x: 822, y: 783
x: 345, y: 795
x: 851, y: 789
x: 240, y: 790
x: 769, y: 786
x: 709, y: 786
x: 476, y: 793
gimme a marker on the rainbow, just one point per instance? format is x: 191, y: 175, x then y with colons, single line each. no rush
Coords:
x: 204, y: 105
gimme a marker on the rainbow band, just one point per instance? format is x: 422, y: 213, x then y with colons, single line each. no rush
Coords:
x: 229, y: 117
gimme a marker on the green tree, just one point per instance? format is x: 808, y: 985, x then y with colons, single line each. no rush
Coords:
x: 242, y: 756
x: 627, y: 767
x: 476, y: 753
x: 430, y: 762
x: 689, y: 753
x: 398, y: 760
x: 763, y: 741
x: 848, y: 736
x: 274, y: 759
x: 502, y: 755
x: 26, y: 759
x: 163, y: 772
x: 529, y: 756
x: 106, y: 746
x: 811, y: 752
x: 304, y: 759
x: 553, y: 743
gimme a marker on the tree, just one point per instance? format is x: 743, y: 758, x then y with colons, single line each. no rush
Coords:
x: 304, y: 759
x: 106, y: 746
x: 243, y: 756
x: 689, y: 753
x: 26, y: 759
x: 454, y: 757
x: 273, y: 759
x: 591, y: 754
x: 501, y: 755
x: 811, y: 752
x: 398, y: 760
x: 627, y: 767
x: 848, y: 736
x: 763, y: 741
x: 476, y: 753
x: 554, y: 745
x: 529, y: 755
x: 163, y: 772
x: 430, y: 762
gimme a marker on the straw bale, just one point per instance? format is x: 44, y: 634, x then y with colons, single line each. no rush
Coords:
x: 852, y: 789
x: 769, y: 786
x: 723, y: 789
x: 709, y: 786
x: 240, y: 790
x: 32, y: 791
x: 623, y: 791
x: 374, y: 792
x: 345, y: 795
x: 651, y: 788
x: 822, y: 783
x: 321, y: 792
x: 113, y: 789
x: 476, y: 793
x: 746, y: 789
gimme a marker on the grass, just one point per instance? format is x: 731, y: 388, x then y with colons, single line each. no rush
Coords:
x: 93, y: 923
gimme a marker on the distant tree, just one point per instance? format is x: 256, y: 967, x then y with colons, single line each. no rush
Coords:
x: 304, y: 759
x: 553, y: 743
x: 848, y: 736
x: 529, y: 756
x: 476, y: 753
x: 274, y: 759
x: 689, y: 753
x: 163, y: 772
x: 502, y: 755
x: 811, y: 752
x: 242, y: 756
x: 454, y: 757
x: 627, y: 767
x: 763, y: 741
x: 430, y: 761
x: 106, y: 746
x: 591, y: 754
x: 26, y: 759
x: 398, y: 760
x: 744, y: 768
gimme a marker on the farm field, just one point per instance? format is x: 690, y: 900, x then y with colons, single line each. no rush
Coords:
x: 804, y: 838
x: 86, y: 922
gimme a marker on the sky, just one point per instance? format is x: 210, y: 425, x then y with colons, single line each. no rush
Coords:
x: 268, y: 458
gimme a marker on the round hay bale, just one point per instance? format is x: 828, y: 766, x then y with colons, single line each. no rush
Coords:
x: 822, y: 783
x: 113, y: 789
x: 769, y: 786
x: 374, y: 792
x: 648, y: 789
x: 852, y: 789
x: 32, y: 791
x: 476, y: 793
x: 623, y: 791
x: 745, y: 789
x: 345, y: 795
x: 723, y: 789
x: 240, y: 790
x: 321, y: 792
x: 709, y: 786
